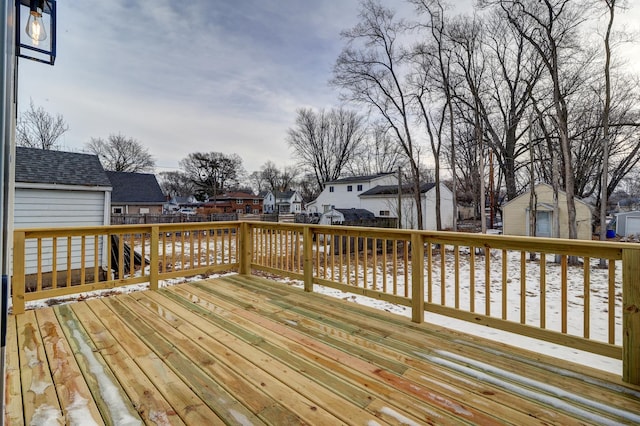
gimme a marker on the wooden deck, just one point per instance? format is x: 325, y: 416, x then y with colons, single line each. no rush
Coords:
x: 244, y: 350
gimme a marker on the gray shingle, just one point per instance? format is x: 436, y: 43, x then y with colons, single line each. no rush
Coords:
x: 135, y: 188
x: 59, y: 167
x: 393, y: 189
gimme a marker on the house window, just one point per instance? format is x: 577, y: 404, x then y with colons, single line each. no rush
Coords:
x: 256, y: 201
x: 256, y: 211
x: 116, y: 210
x: 331, y: 189
x: 239, y: 211
x: 349, y: 188
x: 359, y: 187
x: 239, y: 201
x: 384, y: 213
x: 144, y: 210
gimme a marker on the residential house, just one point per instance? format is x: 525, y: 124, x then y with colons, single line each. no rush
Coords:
x: 235, y: 202
x: 516, y: 215
x: 135, y: 193
x: 379, y: 195
x: 54, y: 189
x: 286, y: 202
x: 382, y: 200
x: 345, y: 192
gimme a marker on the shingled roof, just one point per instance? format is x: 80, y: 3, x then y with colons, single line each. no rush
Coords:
x: 393, y: 189
x: 135, y: 188
x: 58, y: 167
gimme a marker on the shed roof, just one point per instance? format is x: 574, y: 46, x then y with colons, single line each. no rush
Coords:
x: 356, y: 214
x: 58, y: 167
x: 131, y: 187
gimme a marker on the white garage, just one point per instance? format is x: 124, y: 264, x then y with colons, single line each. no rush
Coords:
x: 628, y: 223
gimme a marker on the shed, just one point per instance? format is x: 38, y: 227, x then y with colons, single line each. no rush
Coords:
x: 628, y: 223
x: 54, y: 189
x: 516, y: 214
x: 135, y: 193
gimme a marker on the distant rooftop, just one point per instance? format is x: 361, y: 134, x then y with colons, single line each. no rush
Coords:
x: 135, y: 188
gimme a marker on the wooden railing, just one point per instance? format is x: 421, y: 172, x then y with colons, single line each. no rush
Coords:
x: 57, y: 262
x: 549, y: 289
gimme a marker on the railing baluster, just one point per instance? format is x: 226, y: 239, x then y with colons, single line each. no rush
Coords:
x: 456, y: 263
x: 472, y: 279
x: 406, y: 268
x: 586, y: 297
x: 39, y: 266
x: 443, y: 275
x: 564, y: 292
x: 487, y: 281
x: 429, y: 272
x: 54, y: 263
x: 523, y: 287
x: 611, y: 294
x: 69, y: 261
x: 543, y: 290
x: 505, y: 290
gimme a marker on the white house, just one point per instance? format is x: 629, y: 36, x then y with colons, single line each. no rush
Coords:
x: 383, y: 202
x: 55, y: 188
x: 379, y: 194
x: 282, y: 202
x: 628, y: 223
x: 345, y: 192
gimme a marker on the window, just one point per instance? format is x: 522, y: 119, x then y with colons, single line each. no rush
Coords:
x: 256, y: 211
x: 239, y: 211
x: 144, y: 210
x: 239, y: 201
x: 256, y: 201
x: 331, y: 189
x: 116, y: 210
x: 359, y: 187
x: 384, y: 213
x: 349, y: 188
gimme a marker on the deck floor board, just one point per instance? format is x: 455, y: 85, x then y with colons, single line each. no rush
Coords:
x: 246, y: 350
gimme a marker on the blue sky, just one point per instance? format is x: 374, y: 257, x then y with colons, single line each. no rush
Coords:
x: 197, y: 75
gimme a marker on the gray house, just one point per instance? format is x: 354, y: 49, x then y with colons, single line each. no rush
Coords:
x: 135, y: 193
x: 57, y: 189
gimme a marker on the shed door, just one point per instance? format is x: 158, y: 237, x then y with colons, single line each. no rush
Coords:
x: 543, y: 224
x: 633, y: 225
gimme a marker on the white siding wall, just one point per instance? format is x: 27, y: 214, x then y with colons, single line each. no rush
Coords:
x: 47, y: 208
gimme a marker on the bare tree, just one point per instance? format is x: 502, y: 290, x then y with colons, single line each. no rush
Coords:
x: 326, y: 142
x: 122, y: 154
x: 370, y: 71
x: 551, y: 28
x: 37, y: 128
x: 378, y: 153
x: 277, y: 179
x: 212, y: 172
x: 176, y: 184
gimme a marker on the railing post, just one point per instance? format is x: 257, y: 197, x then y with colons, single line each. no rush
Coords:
x: 17, y: 282
x: 245, y: 249
x: 307, y: 241
x: 631, y: 316
x: 417, y: 278
x: 154, y: 258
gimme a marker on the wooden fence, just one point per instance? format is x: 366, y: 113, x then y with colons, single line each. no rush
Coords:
x: 509, y: 283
